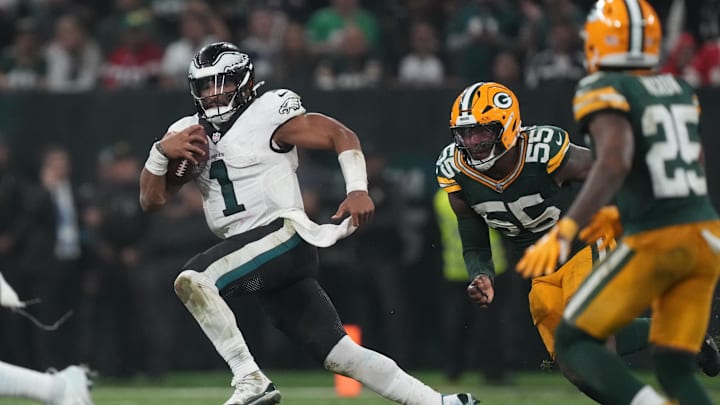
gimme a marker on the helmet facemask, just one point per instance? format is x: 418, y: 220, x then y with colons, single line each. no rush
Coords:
x: 485, y: 153
x: 222, y: 82
x: 219, y: 96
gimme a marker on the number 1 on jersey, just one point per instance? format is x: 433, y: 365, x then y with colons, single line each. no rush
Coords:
x: 218, y: 171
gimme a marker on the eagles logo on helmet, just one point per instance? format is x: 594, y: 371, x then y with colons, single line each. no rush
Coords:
x: 222, y: 81
x: 485, y: 106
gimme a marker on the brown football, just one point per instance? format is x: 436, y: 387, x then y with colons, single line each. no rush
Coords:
x: 181, y: 171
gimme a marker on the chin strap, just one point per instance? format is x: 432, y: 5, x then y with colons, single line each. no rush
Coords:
x: 219, y: 119
x: 257, y: 86
x: 485, y: 165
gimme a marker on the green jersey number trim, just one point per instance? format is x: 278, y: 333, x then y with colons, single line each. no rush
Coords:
x: 673, y: 122
x: 218, y: 171
x: 546, y: 220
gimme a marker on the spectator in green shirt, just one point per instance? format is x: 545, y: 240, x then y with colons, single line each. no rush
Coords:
x: 325, y: 27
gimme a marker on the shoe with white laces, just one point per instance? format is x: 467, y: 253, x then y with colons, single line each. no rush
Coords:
x: 459, y: 399
x: 74, y: 386
x: 254, y: 389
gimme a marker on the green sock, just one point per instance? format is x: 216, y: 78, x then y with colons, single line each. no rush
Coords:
x: 633, y: 337
x: 676, y: 373
x: 602, y: 371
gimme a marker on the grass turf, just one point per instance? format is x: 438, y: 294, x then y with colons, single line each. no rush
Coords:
x: 316, y: 388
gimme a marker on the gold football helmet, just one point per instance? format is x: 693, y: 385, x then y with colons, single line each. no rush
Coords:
x: 622, y: 34
x: 485, y: 106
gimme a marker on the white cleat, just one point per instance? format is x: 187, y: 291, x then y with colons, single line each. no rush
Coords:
x: 75, y: 387
x: 459, y: 399
x: 254, y: 389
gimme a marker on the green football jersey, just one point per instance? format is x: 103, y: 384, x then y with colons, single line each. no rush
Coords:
x: 528, y: 201
x: 666, y: 185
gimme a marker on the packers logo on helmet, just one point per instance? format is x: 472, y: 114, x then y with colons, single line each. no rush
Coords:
x: 622, y: 34
x: 485, y: 106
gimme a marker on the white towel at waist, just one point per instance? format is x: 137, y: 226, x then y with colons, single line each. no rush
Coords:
x: 324, y: 235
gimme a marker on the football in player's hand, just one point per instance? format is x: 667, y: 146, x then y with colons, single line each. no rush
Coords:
x: 181, y: 171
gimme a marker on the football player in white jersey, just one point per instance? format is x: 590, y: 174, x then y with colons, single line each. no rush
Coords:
x: 252, y: 200
x: 66, y: 387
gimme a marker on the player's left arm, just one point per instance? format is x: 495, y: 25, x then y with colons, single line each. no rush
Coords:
x: 477, y: 252
x: 318, y: 131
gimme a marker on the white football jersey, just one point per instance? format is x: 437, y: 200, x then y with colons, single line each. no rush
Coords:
x: 247, y: 182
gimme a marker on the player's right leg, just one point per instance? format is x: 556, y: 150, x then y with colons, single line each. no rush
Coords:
x: 67, y: 387
x: 680, y: 315
x: 230, y: 265
x: 643, y: 268
x: 202, y: 298
x: 546, y: 306
x: 547, y: 299
x: 549, y: 296
x: 382, y: 375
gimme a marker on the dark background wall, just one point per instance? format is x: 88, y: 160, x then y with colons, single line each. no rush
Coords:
x: 410, y: 125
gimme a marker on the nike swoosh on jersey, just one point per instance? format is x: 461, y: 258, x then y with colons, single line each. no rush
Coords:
x: 280, y: 94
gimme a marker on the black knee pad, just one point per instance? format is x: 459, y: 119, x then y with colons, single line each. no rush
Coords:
x: 304, y: 312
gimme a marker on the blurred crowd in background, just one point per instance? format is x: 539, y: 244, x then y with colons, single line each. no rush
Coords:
x: 82, y: 45
x: 89, y: 248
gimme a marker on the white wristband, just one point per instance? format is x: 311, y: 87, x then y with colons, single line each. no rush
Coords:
x: 156, y: 163
x: 352, y: 164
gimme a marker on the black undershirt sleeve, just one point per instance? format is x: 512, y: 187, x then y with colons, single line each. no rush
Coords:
x: 476, y: 246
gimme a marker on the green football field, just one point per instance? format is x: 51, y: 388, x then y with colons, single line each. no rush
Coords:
x: 316, y: 388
